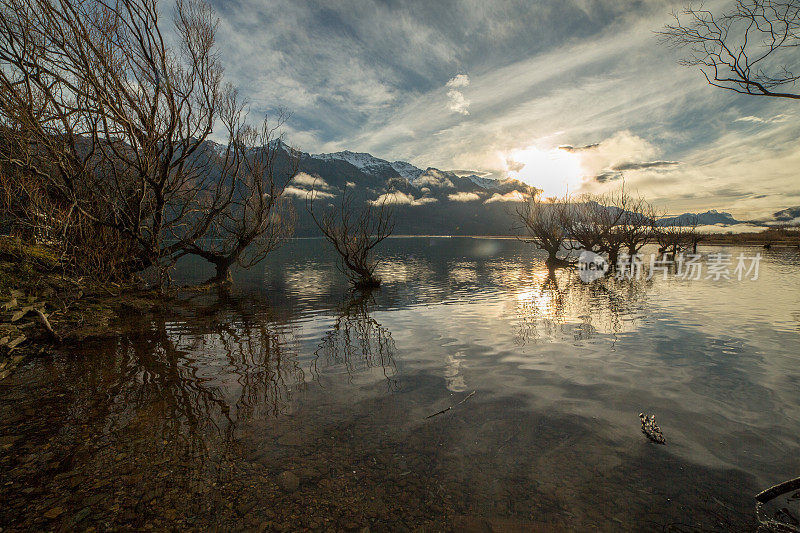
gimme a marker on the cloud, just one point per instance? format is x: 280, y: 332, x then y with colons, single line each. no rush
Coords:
x: 514, y: 166
x: 721, y: 175
x: 303, y: 193
x: 513, y: 196
x: 607, y: 176
x: 465, y: 172
x: 461, y: 80
x: 310, y: 181
x: 570, y: 148
x: 433, y: 178
x: 643, y: 165
x: 463, y: 197
x: 401, y: 198
x: 759, y: 120
x: 457, y: 101
x: 538, y: 76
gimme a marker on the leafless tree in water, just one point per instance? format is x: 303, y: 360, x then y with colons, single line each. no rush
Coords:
x: 593, y: 224
x: 354, y: 231
x: 676, y: 235
x: 544, y: 223
x: 749, y: 49
x: 258, y: 218
x: 636, y: 224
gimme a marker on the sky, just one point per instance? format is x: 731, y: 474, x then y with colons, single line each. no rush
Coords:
x: 566, y: 95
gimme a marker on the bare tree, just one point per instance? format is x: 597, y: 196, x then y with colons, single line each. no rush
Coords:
x: 258, y: 218
x: 675, y: 234
x: 544, y: 223
x: 749, y: 49
x: 111, y: 118
x: 354, y: 232
x: 593, y: 224
x: 692, y: 236
x: 636, y: 224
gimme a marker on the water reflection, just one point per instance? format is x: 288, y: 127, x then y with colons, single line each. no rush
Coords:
x: 557, y: 305
x: 186, y: 389
x: 357, y: 344
x: 189, y: 418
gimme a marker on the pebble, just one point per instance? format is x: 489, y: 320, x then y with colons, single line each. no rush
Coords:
x: 53, y: 512
x: 288, y: 481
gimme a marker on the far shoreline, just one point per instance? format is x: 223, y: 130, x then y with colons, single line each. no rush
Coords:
x: 777, y: 237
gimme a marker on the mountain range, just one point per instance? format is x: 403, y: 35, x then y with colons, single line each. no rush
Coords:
x: 426, y: 202
x: 433, y: 201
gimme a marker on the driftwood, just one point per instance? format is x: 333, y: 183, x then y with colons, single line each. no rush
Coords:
x: 19, y: 314
x: 46, y: 324
x: 787, y: 486
x: 16, y: 342
x: 447, y: 409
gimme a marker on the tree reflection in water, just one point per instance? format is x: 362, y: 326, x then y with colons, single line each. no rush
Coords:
x: 357, y: 343
x: 556, y: 305
x: 180, y: 390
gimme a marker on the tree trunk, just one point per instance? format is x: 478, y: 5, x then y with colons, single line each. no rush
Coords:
x: 223, y: 268
x: 613, y: 257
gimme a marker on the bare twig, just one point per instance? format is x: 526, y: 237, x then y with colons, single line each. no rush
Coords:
x: 448, y: 408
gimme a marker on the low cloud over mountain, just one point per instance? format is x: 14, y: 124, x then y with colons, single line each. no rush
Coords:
x: 434, y: 201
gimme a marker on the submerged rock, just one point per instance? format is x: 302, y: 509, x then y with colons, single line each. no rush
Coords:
x: 651, y: 429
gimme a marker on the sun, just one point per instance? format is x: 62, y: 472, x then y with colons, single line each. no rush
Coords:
x: 553, y: 170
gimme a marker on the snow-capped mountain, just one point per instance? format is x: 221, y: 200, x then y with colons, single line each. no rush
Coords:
x: 371, y: 164
x: 430, y: 177
x: 406, y: 170
x: 486, y: 183
x: 430, y: 201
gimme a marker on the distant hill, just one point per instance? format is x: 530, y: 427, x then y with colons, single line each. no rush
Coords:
x: 790, y: 215
x: 708, y: 218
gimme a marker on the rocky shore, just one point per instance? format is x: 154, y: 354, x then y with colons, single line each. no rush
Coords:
x: 43, y: 309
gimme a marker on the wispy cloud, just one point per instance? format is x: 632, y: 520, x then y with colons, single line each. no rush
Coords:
x: 434, y: 179
x: 588, y: 77
x: 291, y: 190
x: 457, y: 101
x: 513, y: 196
x: 310, y: 181
x: 758, y: 120
x: 570, y: 148
x: 460, y: 80
x: 630, y: 165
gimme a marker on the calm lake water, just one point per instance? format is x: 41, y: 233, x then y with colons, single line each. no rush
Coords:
x: 291, y: 403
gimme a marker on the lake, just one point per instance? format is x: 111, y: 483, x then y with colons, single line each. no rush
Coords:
x: 474, y: 391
